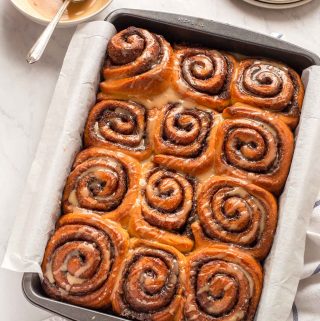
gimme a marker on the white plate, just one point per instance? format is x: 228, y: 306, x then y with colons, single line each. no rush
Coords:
x: 278, y: 5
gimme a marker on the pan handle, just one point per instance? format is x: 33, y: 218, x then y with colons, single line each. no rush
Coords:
x: 31, y: 287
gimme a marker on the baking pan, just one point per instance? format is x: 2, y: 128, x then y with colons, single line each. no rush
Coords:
x: 177, y: 28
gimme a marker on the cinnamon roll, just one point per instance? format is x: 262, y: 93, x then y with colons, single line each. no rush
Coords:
x: 119, y: 125
x: 253, y: 145
x: 102, y: 182
x: 183, y: 138
x: 223, y: 284
x: 204, y: 76
x: 271, y: 86
x: 236, y: 212
x: 167, y: 208
x: 151, y: 283
x: 82, y: 260
x: 138, y: 62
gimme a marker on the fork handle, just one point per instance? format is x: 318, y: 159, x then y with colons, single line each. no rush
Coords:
x: 40, y: 45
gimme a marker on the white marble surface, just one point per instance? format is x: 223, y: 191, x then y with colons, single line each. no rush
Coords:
x: 25, y: 92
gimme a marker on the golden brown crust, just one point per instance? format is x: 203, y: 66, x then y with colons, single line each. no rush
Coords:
x: 82, y: 260
x: 161, y: 116
x: 271, y: 86
x: 255, y: 146
x: 183, y: 138
x: 151, y: 283
x: 138, y: 62
x: 204, y: 76
x: 167, y: 208
x: 223, y: 284
x: 234, y: 211
x: 120, y: 125
x: 102, y: 182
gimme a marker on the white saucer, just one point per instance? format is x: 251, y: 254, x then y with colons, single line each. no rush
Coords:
x: 279, y: 5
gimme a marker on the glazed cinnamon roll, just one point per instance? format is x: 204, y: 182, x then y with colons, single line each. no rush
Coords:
x: 223, y: 284
x: 271, y: 86
x: 204, y: 76
x: 151, y: 283
x: 82, y: 260
x: 236, y: 212
x: 102, y: 182
x: 138, y: 62
x: 253, y: 145
x: 119, y: 125
x: 183, y: 138
x: 167, y: 208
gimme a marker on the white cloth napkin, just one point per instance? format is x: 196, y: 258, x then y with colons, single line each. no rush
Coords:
x: 306, y: 306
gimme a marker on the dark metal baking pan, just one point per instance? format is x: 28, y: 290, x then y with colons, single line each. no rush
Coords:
x: 177, y: 28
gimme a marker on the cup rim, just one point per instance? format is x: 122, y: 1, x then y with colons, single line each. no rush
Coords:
x: 44, y: 20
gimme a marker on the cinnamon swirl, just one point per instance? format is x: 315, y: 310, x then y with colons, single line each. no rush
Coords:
x: 167, y: 208
x: 138, y: 61
x: 119, y: 125
x: 102, y: 182
x: 236, y: 212
x: 204, y: 76
x: 82, y: 260
x: 151, y: 283
x: 271, y: 86
x: 253, y: 145
x: 223, y: 284
x: 183, y: 138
